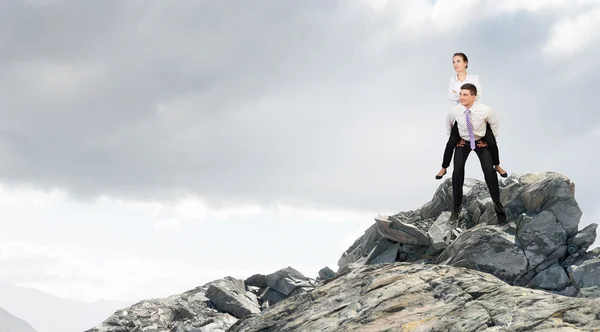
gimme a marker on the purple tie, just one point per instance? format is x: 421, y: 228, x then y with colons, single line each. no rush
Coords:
x: 470, y: 127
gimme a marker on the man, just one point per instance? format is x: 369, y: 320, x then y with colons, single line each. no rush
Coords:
x: 472, y: 119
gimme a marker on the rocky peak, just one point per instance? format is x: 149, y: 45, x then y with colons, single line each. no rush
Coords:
x: 424, y: 297
x: 418, y: 270
x: 540, y: 246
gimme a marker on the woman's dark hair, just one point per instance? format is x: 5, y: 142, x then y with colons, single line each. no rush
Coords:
x: 464, y: 56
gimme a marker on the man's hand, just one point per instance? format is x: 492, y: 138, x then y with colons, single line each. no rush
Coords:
x: 461, y: 143
x: 481, y: 144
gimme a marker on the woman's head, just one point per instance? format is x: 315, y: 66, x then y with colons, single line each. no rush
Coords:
x: 460, y: 62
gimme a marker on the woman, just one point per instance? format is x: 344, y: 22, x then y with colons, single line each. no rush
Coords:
x: 461, y: 63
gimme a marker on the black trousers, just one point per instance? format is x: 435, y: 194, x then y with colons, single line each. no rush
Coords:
x: 454, y: 138
x: 458, y: 174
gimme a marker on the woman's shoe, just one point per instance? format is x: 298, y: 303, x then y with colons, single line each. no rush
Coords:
x: 501, y: 174
x: 438, y: 176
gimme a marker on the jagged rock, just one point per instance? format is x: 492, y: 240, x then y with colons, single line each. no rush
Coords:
x: 441, y: 201
x: 552, y: 191
x: 388, y: 256
x: 412, y: 253
x: 488, y: 249
x: 270, y: 297
x: 392, y: 228
x: 552, y: 278
x: 287, y: 280
x: 540, y: 247
x: 418, y: 297
x: 360, y: 248
x: 584, y: 238
x: 585, y: 273
x: 541, y: 232
x: 539, y: 236
x: 440, y: 232
x: 326, y: 273
x: 229, y: 295
x: 554, y: 258
x: 187, y: 312
x: 382, y: 252
x: 257, y: 280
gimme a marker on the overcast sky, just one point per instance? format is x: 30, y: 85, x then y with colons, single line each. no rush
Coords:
x: 147, y: 147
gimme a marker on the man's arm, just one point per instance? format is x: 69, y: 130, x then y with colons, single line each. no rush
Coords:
x: 492, y: 119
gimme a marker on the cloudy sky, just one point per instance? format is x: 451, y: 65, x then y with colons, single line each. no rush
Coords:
x: 147, y: 147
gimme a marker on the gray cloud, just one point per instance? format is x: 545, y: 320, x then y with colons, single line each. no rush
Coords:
x: 315, y: 101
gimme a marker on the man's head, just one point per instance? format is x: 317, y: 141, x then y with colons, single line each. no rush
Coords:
x: 468, y: 93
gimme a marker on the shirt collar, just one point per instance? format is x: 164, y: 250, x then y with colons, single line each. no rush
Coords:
x: 456, y: 77
x: 465, y: 109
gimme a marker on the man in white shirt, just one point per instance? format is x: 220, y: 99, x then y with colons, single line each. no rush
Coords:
x: 472, y: 119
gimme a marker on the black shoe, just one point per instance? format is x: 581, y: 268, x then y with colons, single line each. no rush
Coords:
x: 505, y: 174
x: 456, y: 209
x: 502, y: 219
x: 437, y: 177
x: 499, y: 208
x: 453, y: 218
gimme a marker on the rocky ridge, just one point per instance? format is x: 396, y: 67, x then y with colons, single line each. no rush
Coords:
x: 213, y: 307
x: 424, y: 297
x: 540, y: 247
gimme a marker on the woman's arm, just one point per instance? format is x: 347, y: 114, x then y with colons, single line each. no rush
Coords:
x: 452, y: 94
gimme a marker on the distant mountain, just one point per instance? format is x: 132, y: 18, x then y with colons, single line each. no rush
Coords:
x: 10, y: 323
x: 46, y: 312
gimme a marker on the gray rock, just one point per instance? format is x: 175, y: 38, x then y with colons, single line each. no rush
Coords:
x: 440, y: 232
x: 257, y: 280
x: 360, y: 248
x: 585, y: 273
x: 388, y: 256
x: 441, y: 201
x: 271, y: 297
x: 416, y: 297
x: 568, y: 214
x: 539, y: 236
x: 593, y: 291
x: 412, y: 253
x: 186, y: 312
x: 488, y: 249
x: 554, y: 258
x: 568, y: 291
x: 287, y: 280
x: 390, y: 227
x: 541, y: 206
x: 585, y: 237
x: 229, y: 295
x: 326, y: 273
x: 552, y: 278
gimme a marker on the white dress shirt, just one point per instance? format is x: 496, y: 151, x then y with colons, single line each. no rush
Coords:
x: 480, y: 115
x: 455, y: 85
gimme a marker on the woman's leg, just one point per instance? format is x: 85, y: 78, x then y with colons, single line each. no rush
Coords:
x: 490, y: 139
x: 449, y: 150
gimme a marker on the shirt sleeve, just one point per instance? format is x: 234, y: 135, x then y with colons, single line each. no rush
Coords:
x: 453, y: 96
x: 492, y: 119
x: 477, y: 85
x: 449, y: 122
